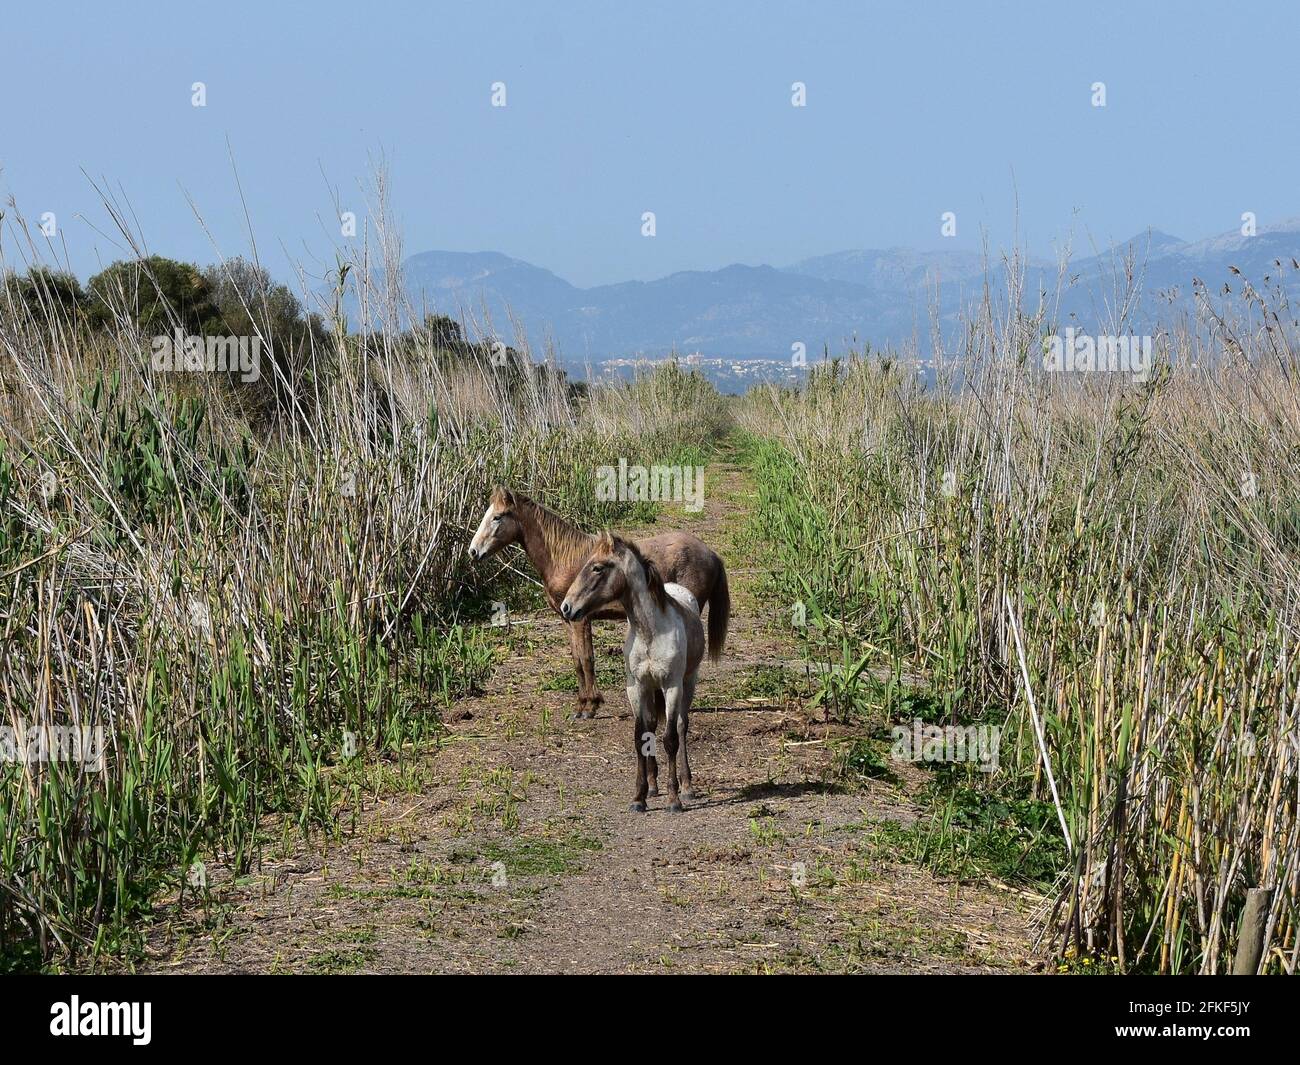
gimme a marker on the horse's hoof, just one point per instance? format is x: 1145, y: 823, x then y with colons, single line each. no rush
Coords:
x: 653, y: 793
x: 582, y: 715
x: 637, y: 808
x: 690, y: 793
x: 675, y: 807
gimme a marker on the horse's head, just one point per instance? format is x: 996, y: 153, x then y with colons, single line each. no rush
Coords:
x: 601, y: 580
x: 606, y: 575
x: 500, y: 526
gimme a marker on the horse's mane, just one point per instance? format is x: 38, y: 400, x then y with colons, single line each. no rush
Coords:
x: 565, y: 542
x: 653, y: 579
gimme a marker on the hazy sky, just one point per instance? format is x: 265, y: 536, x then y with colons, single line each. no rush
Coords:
x: 614, y: 109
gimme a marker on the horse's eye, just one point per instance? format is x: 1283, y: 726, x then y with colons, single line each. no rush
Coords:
x: 497, y: 518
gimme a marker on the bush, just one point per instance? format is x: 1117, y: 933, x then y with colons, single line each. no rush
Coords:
x: 153, y: 295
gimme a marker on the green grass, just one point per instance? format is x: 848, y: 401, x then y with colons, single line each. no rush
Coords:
x: 763, y: 681
x: 565, y: 679
x: 865, y: 758
x: 541, y: 856
x: 263, y: 637
x: 938, y: 563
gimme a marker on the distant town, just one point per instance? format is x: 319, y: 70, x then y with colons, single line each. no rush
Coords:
x: 731, y: 376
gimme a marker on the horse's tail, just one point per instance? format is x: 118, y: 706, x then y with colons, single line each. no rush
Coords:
x: 719, y: 614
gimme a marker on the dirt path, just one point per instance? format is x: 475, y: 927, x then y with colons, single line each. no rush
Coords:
x: 510, y: 848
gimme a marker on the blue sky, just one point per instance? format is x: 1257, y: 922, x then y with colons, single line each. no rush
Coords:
x: 683, y: 109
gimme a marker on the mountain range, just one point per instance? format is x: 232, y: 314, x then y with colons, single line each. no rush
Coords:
x: 885, y: 297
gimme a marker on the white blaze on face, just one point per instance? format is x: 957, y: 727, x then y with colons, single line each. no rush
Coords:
x: 482, y: 541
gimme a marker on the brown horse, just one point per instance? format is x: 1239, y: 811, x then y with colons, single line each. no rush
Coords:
x: 557, y: 551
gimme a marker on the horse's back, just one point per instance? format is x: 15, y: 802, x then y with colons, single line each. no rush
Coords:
x: 689, y: 609
x: 684, y: 559
x: 684, y: 596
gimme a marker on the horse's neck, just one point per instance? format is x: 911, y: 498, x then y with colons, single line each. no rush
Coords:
x: 643, y: 613
x: 535, y: 544
x: 536, y: 547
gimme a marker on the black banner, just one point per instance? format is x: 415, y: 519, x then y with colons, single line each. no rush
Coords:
x: 149, y: 1014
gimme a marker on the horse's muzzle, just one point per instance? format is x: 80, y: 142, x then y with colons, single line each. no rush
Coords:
x: 569, y: 613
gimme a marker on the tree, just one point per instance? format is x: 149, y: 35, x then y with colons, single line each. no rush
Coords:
x: 48, y: 295
x: 156, y: 294
x: 248, y: 302
x: 444, y: 332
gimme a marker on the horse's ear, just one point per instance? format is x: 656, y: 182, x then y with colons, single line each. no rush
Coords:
x: 504, y: 496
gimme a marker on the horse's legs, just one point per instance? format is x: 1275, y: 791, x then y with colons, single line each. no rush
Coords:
x: 594, y: 698
x: 683, y: 724
x: 584, y: 662
x: 639, y: 701
x: 675, y: 705
x: 575, y: 649
x: 652, y: 766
